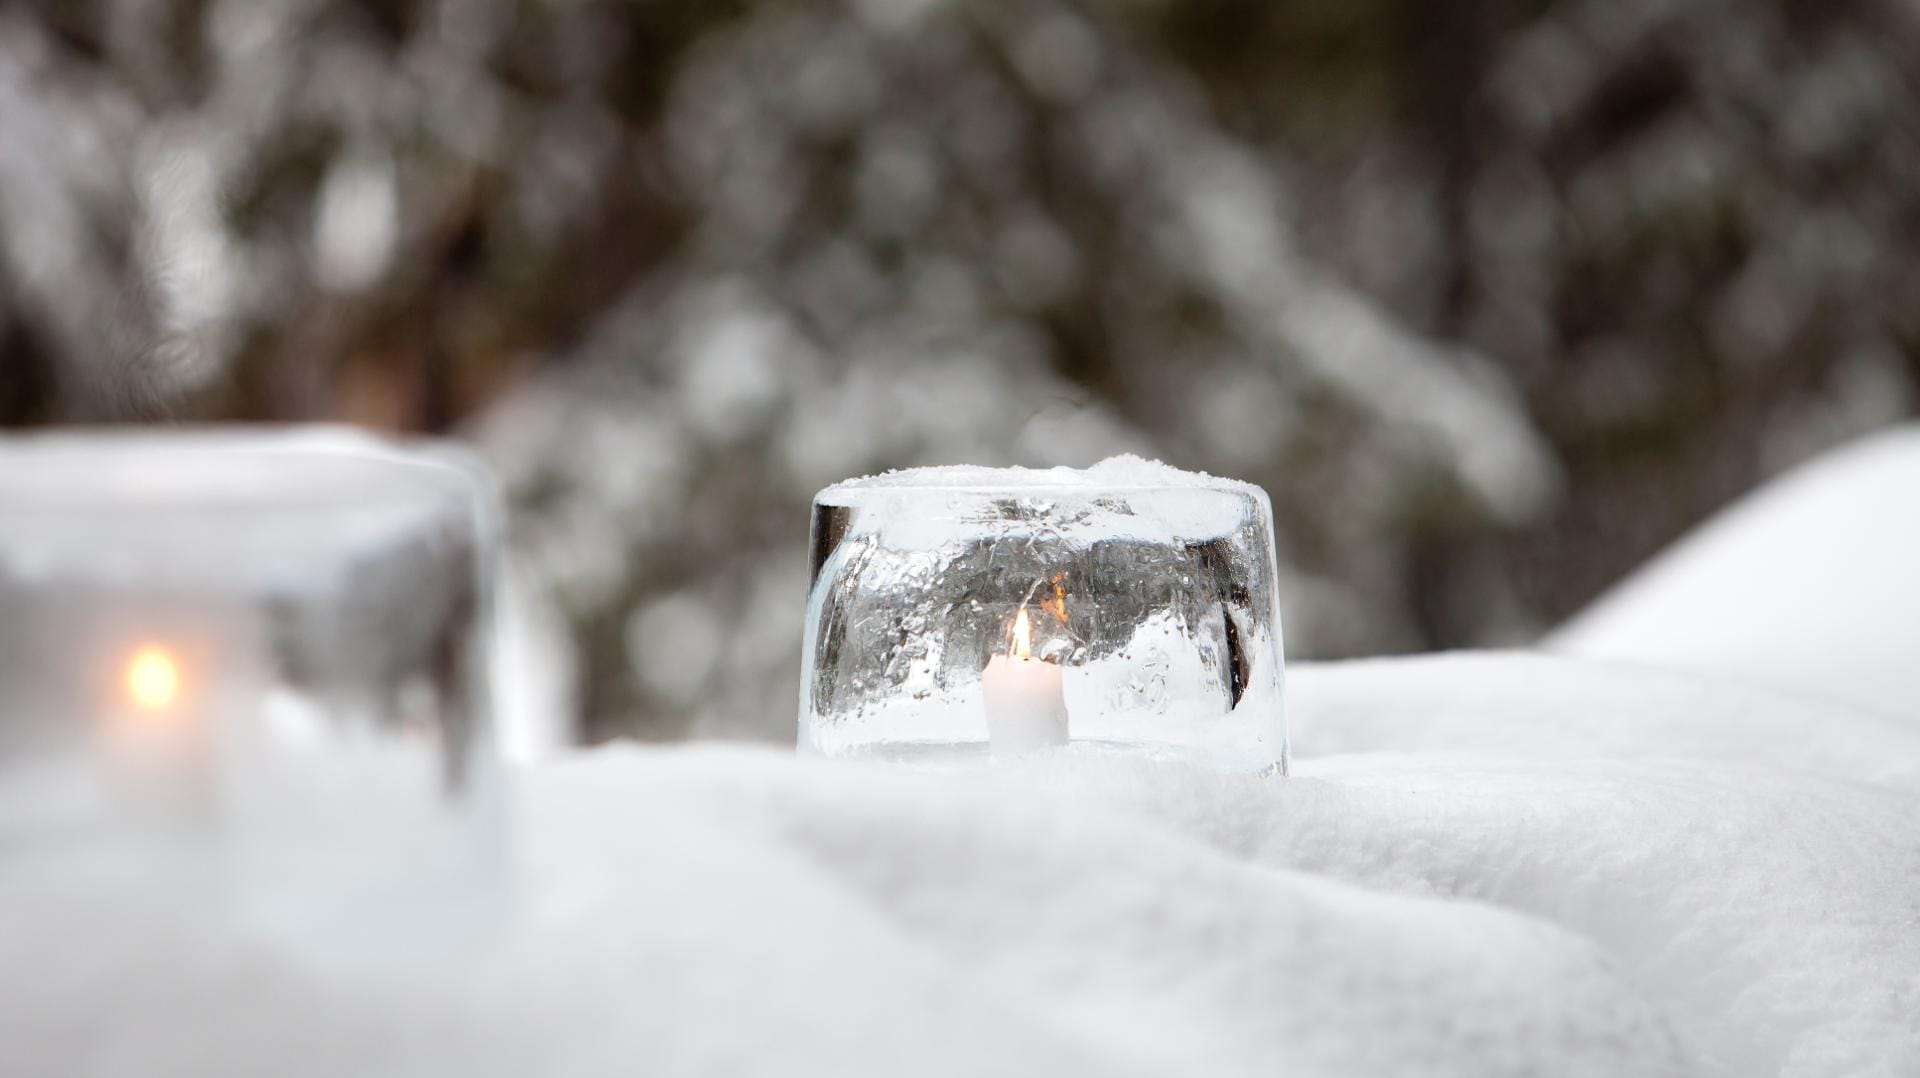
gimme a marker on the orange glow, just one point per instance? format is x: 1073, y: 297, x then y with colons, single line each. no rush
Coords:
x: 153, y: 679
x: 1056, y: 604
x: 1022, y: 636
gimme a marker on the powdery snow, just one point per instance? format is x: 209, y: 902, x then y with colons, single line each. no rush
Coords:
x: 1546, y: 707
x: 1812, y: 583
x: 1761, y: 888
x: 1125, y: 472
x: 1487, y: 865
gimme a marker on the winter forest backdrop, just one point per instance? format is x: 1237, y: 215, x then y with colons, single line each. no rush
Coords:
x: 1494, y: 297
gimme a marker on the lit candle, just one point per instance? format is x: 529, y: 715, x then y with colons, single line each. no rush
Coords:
x: 155, y: 735
x: 1026, y: 707
x: 153, y: 680
x: 250, y: 673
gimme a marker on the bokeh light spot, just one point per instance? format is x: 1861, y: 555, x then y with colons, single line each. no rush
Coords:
x: 153, y: 679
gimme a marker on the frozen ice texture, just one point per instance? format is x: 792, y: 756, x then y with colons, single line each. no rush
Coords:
x: 1154, y: 588
x: 322, y: 597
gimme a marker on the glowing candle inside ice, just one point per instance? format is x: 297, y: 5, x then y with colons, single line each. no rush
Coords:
x: 1026, y: 707
x: 153, y: 680
x: 154, y: 749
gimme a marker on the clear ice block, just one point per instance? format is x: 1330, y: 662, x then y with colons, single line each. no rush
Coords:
x: 246, y: 669
x: 955, y: 612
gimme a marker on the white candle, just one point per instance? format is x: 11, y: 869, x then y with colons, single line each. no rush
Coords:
x: 1026, y: 707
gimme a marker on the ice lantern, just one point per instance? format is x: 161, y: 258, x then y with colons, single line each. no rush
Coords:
x: 245, y: 669
x: 966, y: 612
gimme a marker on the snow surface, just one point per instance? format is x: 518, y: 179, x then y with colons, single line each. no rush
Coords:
x: 1487, y: 865
x: 1124, y: 472
x: 1812, y: 583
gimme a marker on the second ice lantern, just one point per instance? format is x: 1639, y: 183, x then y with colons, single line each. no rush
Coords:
x: 246, y: 670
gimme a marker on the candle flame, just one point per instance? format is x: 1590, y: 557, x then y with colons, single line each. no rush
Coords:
x: 1022, y: 636
x: 153, y: 679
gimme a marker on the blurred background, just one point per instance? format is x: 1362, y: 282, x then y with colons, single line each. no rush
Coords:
x: 1495, y: 297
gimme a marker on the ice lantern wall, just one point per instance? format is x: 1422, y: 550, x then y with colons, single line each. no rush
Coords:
x: 246, y: 670
x: 959, y: 612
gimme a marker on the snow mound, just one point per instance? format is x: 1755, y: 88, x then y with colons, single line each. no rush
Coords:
x: 708, y: 911
x: 1751, y: 862
x: 1488, y: 865
x: 1545, y: 707
x: 1812, y: 584
x: 1125, y: 472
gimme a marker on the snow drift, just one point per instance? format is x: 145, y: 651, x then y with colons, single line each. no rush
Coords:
x: 1812, y: 583
x: 1488, y: 865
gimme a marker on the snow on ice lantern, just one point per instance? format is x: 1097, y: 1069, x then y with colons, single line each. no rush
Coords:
x: 972, y: 612
x: 245, y: 668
